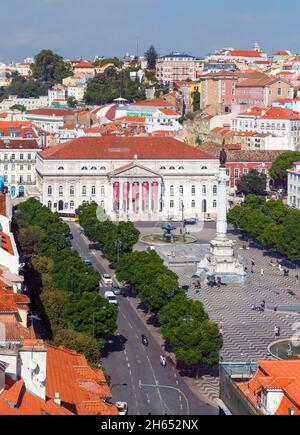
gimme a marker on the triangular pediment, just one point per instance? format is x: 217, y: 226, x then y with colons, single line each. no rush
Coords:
x: 134, y: 170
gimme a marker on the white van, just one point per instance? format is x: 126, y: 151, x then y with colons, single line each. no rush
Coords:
x: 110, y: 296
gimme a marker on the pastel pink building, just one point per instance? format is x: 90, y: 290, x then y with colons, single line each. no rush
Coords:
x: 175, y: 67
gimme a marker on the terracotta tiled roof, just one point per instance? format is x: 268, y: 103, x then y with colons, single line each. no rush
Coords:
x: 51, y: 112
x: 169, y: 112
x: 118, y: 148
x: 245, y: 53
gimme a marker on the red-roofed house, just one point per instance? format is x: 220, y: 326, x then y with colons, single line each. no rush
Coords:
x: 293, y: 186
x: 39, y: 379
x: 266, y: 388
x: 166, y: 174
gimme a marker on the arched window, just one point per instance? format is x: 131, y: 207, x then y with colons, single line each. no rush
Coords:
x: 71, y: 204
x: 204, y: 189
x: 214, y: 189
x: 60, y: 191
x: 172, y: 204
x: 49, y: 204
x: 103, y: 168
x: 93, y: 190
x: 61, y: 168
x: 93, y: 168
x: 72, y: 191
x: 214, y: 203
x: 180, y: 190
x: 83, y: 190
x: 171, y: 168
x: 84, y: 168
x: 162, y: 168
x: 204, y: 168
x: 49, y: 190
x: 181, y: 168
x: 171, y: 190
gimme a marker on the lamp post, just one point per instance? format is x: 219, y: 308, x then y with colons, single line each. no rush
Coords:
x: 171, y: 388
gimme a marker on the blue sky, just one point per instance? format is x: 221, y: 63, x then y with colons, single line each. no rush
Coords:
x: 111, y: 27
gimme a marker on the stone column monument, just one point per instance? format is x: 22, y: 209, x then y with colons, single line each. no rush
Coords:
x: 221, y: 261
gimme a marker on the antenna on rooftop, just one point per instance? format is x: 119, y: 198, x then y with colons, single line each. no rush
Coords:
x: 137, y: 46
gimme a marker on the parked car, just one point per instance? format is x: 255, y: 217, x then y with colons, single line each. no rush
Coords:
x: 122, y: 408
x: 190, y: 221
x: 70, y: 235
x: 116, y: 289
x: 87, y: 261
x: 111, y: 297
x: 94, y: 246
x: 107, y: 279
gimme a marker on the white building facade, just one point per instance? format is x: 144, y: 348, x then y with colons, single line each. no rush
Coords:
x: 28, y: 103
x: 293, y: 195
x: 138, y: 178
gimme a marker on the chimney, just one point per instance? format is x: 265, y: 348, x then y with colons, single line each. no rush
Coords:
x: 57, y: 400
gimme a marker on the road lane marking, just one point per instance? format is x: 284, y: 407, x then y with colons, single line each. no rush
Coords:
x: 130, y: 325
x: 128, y: 364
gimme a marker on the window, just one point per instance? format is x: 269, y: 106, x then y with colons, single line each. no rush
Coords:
x: 29, y: 156
x: 214, y: 203
x: 171, y: 168
x: 171, y: 190
x: 21, y: 167
x: 49, y: 204
x: 193, y: 190
x: 84, y: 168
x: 13, y: 156
x: 5, y: 167
x: 193, y: 204
x: 29, y: 167
x: 279, y: 92
x: 181, y: 168
x: 71, y: 204
x: 180, y: 190
x: 83, y: 190
x: 204, y: 168
x: 103, y: 168
x: 21, y: 156
x: 214, y: 189
x: 61, y: 168
x: 172, y: 204
x: 236, y: 173
x: 162, y: 168
x: 204, y: 189
x: 93, y: 168
x: 93, y: 190
x: 49, y: 190
x: 72, y: 191
x: 60, y: 191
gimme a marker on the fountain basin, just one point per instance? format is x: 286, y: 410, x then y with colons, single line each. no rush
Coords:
x: 159, y: 239
x: 285, y: 349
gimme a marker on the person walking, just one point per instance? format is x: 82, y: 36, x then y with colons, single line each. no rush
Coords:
x: 276, y: 331
x: 262, y: 272
x: 297, y: 279
x: 164, y: 362
x: 252, y: 266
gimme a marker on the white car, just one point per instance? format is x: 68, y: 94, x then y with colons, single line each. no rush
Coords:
x: 107, y: 279
x: 122, y: 408
x: 111, y: 297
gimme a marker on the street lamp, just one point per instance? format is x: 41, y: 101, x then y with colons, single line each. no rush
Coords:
x: 171, y: 388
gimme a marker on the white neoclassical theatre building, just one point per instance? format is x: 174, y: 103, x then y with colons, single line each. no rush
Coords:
x: 136, y: 178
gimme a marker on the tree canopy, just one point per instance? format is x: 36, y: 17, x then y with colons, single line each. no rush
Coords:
x: 252, y: 183
x: 111, y: 84
x: 151, y: 57
x: 49, y: 67
x: 280, y: 166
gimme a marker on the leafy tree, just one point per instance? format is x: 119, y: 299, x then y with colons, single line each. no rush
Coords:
x: 280, y: 166
x: 19, y: 107
x: 196, y: 101
x: 80, y: 342
x: 49, y: 67
x: 54, y: 302
x: 29, y: 239
x: 72, y: 102
x: 104, y: 88
x: 270, y: 235
x: 151, y: 57
x: 252, y: 183
x: 289, y: 240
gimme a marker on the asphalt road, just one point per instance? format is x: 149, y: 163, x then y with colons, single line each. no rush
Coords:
x: 129, y: 363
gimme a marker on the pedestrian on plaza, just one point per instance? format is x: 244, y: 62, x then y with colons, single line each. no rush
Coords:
x: 262, y: 272
x: 276, y: 331
x: 263, y: 304
x: 252, y: 266
x: 297, y: 279
x: 161, y: 360
x: 164, y: 362
x: 218, y: 282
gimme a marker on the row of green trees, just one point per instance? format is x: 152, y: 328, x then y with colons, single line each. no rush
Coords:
x: 274, y: 225
x: 114, y: 239
x: 73, y: 311
x: 184, y: 323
